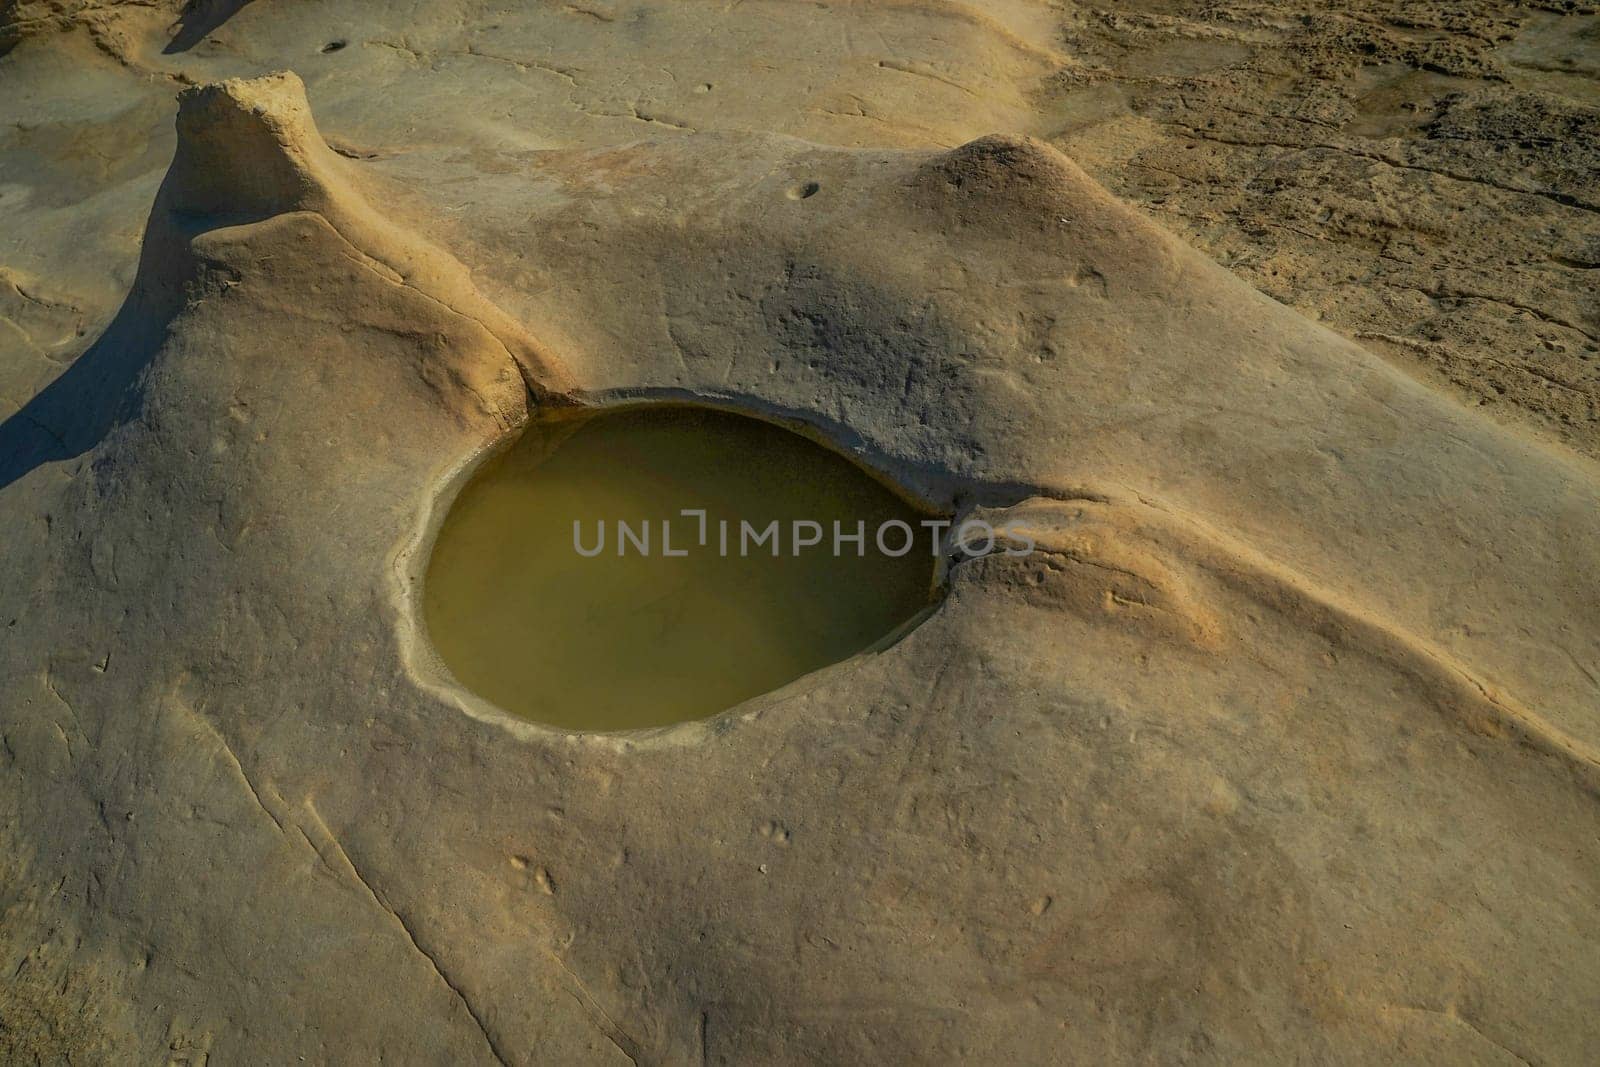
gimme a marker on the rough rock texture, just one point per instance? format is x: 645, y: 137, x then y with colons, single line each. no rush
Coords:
x: 1421, y: 177
x: 1284, y: 747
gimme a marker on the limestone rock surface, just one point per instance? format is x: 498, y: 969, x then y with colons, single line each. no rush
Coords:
x: 1283, y: 746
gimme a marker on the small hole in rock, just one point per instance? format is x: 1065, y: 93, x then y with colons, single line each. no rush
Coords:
x: 333, y: 46
x: 805, y: 191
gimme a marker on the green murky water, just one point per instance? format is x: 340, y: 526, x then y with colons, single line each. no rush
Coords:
x: 565, y: 629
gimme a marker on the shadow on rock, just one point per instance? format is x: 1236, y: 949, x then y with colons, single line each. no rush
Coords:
x: 199, y: 18
x: 75, y: 411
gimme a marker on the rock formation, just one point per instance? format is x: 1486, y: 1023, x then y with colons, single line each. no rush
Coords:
x: 1283, y: 746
